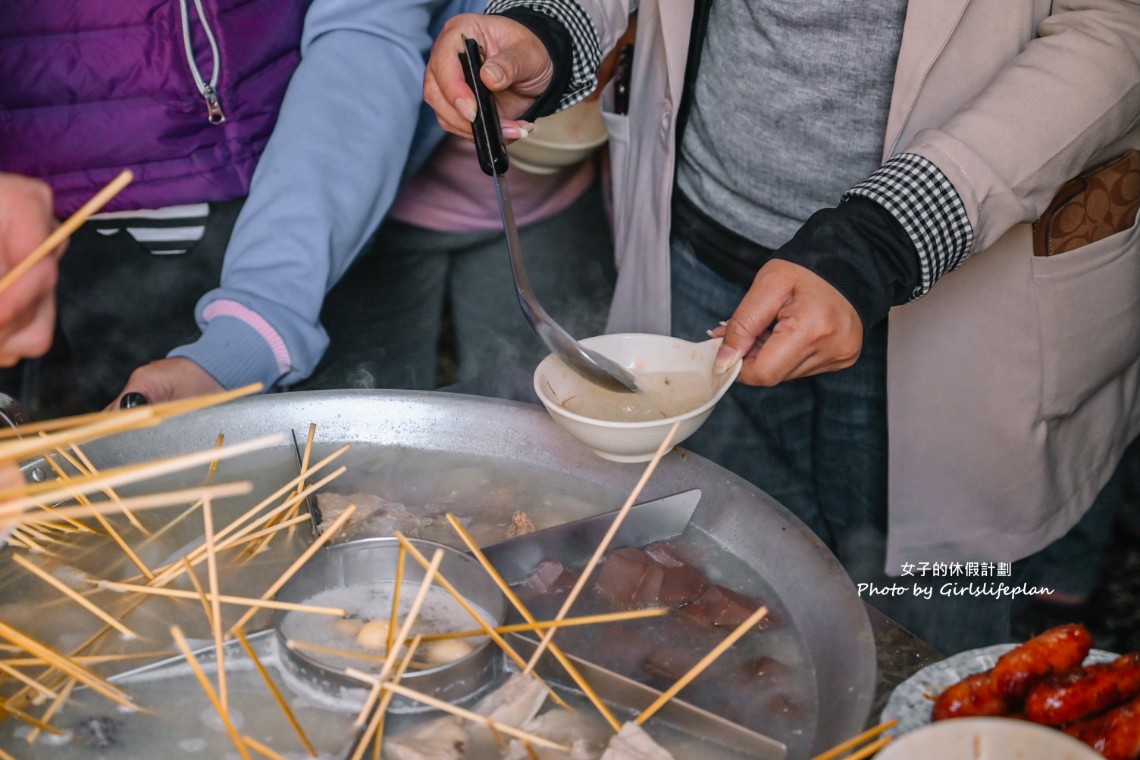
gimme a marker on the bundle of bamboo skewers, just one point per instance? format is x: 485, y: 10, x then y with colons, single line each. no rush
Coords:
x: 48, y: 525
x: 44, y: 523
x: 45, y: 517
x: 48, y: 519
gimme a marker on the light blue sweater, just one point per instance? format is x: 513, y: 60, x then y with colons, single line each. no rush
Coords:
x: 352, y: 127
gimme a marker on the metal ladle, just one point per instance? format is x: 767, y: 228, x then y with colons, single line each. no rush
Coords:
x: 492, y: 153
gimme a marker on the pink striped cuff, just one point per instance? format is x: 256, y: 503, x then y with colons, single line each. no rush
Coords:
x: 259, y: 325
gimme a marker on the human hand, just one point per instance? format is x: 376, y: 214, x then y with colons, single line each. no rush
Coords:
x: 516, y: 67
x: 27, y: 306
x: 792, y: 323
x: 169, y: 380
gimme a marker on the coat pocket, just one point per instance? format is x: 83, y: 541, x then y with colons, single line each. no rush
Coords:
x: 1088, y: 302
x: 1091, y: 207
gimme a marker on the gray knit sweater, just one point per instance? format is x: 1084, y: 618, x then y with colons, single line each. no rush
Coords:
x: 790, y: 109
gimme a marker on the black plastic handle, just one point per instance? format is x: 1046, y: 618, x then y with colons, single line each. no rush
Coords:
x: 489, y: 145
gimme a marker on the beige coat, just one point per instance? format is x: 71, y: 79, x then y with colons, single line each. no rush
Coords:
x: 1013, y: 385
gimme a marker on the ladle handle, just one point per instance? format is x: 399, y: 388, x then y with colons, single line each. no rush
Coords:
x: 489, y: 145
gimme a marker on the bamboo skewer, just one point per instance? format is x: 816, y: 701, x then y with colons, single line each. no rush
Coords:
x: 418, y: 556
x: 704, y: 662
x: 259, y: 540
x: 270, y: 519
x: 305, y: 463
x: 92, y: 470
x: 151, y: 414
x: 509, y: 650
x: 605, y: 542
x: 61, y: 662
x: 75, y: 597
x: 36, y: 495
x: 509, y: 593
x: 292, y: 512
x: 244, y: 601
x: 173, y: 570
x: 104, y: 424
x: 90, y: 642
x: 262, y: 749
x: 27, y: 680
x: 439, y: 704
x: 53, y: 708
x: 320, y: 541
x: 154, y: 501
x: 67, y: 228
x: 838, y: 750
x: 269, y: 531
x: 89, y: 659
x: 235, y: 526
x: 200, y: 674
x: 401, y: 557
x: 38, y: 535
x: 542, y: 625
x: 107, y: 527
x: 276, y: 692
x: 189, y: 510
x: 31, y: 720
x: 386, y: 698
x: 391, y: 660
x: 215, y: 605
x: 200, y: 592
x: 374, y: 731
x: 51, y: 512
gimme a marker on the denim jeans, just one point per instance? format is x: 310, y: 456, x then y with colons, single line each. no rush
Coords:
x: 818, y: 445
x: 385, y: 317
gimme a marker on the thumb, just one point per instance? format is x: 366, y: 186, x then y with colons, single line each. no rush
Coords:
x: 751, y: 319
x: 497, y: 73
x: 522, y: 68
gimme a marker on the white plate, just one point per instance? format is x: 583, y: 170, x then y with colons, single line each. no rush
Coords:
x: 913, y: 699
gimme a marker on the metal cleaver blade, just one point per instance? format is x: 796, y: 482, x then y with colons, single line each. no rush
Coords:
x: 573, y: 542
x: 616, y: 690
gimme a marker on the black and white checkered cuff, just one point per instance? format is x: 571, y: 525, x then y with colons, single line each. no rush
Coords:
x: 587, y: 50
x: 928, y: 207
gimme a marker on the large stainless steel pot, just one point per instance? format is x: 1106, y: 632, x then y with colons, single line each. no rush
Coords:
x: 813, y: 589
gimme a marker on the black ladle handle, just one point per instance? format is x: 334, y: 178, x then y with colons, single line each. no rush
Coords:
x: 489, y: 145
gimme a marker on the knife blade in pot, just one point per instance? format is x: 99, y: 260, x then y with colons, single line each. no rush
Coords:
x: 572, y: 542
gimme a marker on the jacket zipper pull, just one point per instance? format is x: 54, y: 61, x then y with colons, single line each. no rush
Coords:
x: 213, y: 107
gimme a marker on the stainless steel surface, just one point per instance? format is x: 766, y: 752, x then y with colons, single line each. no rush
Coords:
x: 645, y: 523
x: 588, y: 363
x: 616, y: 689
x: 815, y: 594
x: 373, y: 560
x: 494, y: 161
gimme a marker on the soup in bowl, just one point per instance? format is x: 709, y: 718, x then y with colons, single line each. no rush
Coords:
x: 675, y: 381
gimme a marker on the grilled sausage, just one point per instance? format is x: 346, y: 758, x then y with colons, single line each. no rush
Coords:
x: 1054, y: 651
x: 1115, y: 734
x: 971, y: 697
x: 1077, y: 694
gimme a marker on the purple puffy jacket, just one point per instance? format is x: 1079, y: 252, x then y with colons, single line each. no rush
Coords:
x: 89, y: 88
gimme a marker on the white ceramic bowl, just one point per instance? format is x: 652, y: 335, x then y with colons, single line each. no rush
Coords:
x: 677, y: 381
x: 560, y: 140
x: 986, y: 739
